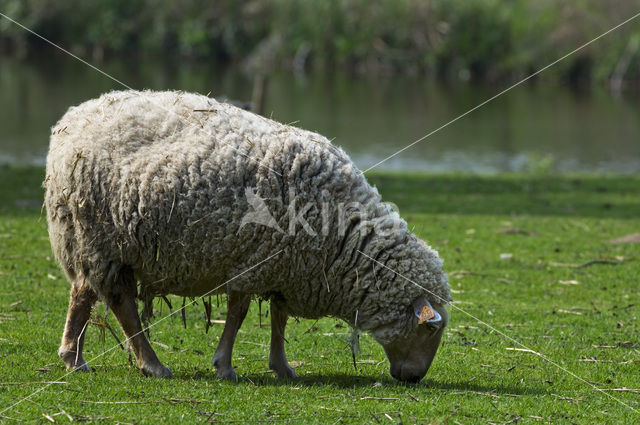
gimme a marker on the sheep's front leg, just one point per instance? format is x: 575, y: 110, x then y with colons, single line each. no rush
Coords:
x: 81, y: 301
x: 237, y: 308
x: 125, y: 309
x: 277, y: 357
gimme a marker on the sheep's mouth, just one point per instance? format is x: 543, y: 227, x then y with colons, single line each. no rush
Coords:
x: 402, y: 374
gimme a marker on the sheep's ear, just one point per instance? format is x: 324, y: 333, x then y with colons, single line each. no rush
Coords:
x: 424, y: 312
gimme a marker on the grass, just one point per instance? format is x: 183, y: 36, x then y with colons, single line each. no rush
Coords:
x: 584, y: 319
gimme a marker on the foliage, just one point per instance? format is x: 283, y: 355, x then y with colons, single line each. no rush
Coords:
x: 478, y: 39
x: 584, y: 319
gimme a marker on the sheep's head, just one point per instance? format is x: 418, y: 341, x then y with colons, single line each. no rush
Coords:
x: 410, y: 356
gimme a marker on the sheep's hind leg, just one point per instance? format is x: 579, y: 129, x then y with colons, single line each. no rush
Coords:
x: 124, y: 307
x: 277, y: 357
x: 81, y: 301
x: 237, y: 308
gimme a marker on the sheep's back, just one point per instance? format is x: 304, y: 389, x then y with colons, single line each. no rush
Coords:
x: 157, y: 181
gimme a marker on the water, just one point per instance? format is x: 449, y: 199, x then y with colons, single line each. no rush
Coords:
x: 531, y: 127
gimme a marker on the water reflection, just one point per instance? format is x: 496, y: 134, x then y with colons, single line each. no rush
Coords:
x: 530, y: 126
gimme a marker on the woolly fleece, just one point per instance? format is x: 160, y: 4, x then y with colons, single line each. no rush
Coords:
x: 156, y: 183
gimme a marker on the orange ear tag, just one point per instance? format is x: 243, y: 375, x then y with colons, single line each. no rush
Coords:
x: 426, y: 314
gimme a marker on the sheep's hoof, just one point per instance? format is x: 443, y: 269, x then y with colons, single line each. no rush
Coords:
x: 158, y: 371
x: 224, y: 370
x: 83, y: 367
x: 73, y: 363
x: 227, y: 373
x: 284, y: 372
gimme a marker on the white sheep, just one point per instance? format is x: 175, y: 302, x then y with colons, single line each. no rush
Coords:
x: 156, y: 188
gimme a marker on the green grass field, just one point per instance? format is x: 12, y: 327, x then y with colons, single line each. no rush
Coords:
x: 585, y: 319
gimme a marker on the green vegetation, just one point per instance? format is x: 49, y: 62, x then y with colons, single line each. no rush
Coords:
x: 585, y: 319
x: 479, y: 39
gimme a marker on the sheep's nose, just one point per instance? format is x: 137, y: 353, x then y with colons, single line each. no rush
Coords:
x: 405, y: 374
x: 395, y: 373
x: 412, y: 379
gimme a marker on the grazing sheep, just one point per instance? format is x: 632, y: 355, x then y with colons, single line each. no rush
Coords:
x: 186, y: 196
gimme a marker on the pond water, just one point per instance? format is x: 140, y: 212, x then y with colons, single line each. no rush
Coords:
x: 531, y: 127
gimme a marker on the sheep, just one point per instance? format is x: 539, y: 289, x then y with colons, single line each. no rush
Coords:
x: 176, y: 193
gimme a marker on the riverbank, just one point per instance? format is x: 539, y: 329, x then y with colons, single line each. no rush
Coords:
x: 518, y: 194
x: 530, y: 255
